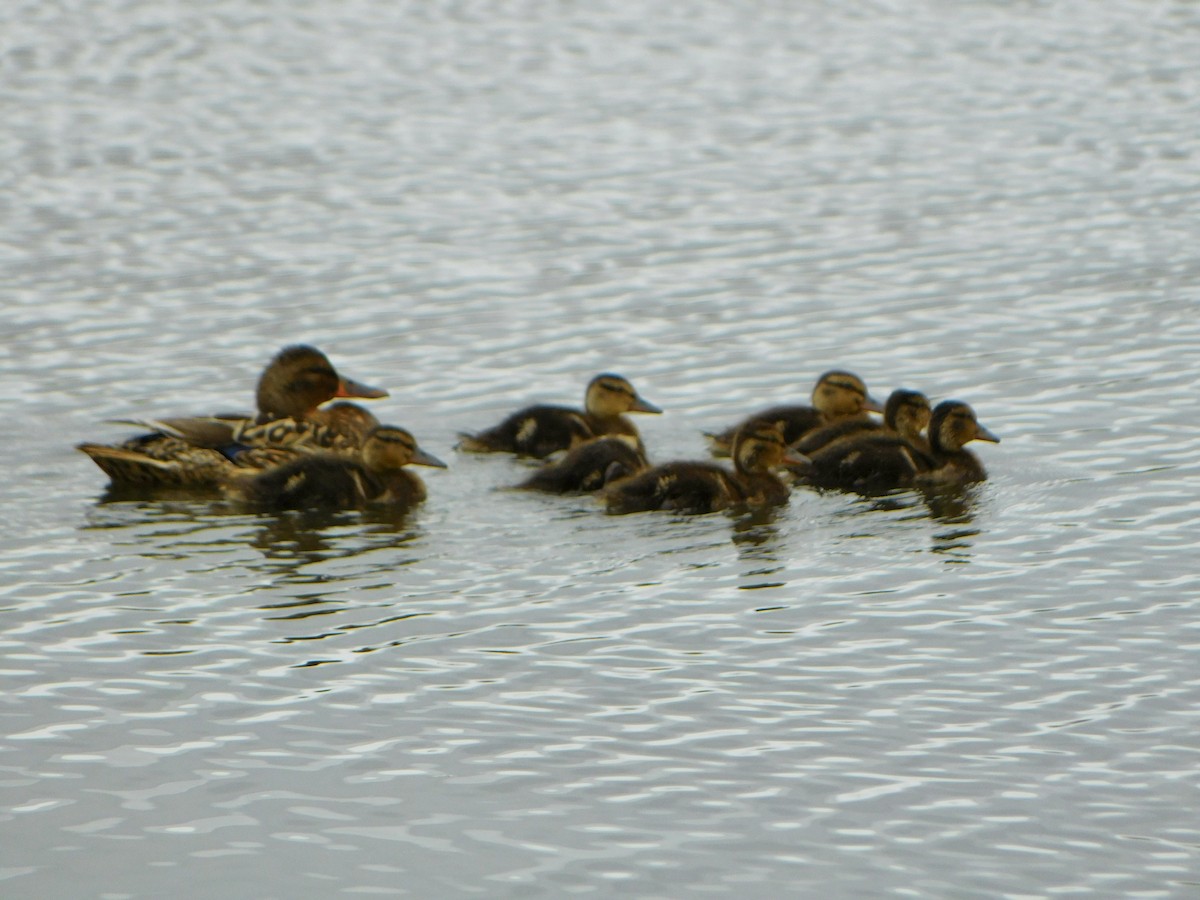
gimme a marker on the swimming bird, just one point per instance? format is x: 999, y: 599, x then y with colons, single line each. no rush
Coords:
x: 836, y: 396
x: 952, y: 426
x: 193, y: 451
x: 588, y: 467
x: 875, y: 462
x: 905, y: 413
x: 541, y: 430
x: 703, y: 487
x: 328, y: 481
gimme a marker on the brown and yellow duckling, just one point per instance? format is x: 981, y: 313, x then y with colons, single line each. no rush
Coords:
x: 905, y: 413
x: 541, y: 430
x: 952, y: 426
x: 194, y: 451
x: 329, y: 481
x: 704, y: 487
x: 836, y: 396
x: 875, y: 462
x: 588, y: 467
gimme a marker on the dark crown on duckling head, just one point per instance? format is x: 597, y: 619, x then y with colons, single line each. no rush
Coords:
x: 953, y: 424
x: 907, y: 412
x: 609, y: 394
x: 759, y: 446
x: 843, y: 393
x: 387, y: 448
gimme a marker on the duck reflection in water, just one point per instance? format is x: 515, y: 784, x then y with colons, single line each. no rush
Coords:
x: 293, y: 539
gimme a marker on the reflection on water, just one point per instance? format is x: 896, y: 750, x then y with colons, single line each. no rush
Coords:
x: 292, y: 542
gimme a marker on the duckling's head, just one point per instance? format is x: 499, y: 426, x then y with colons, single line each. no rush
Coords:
x: 759, y: 446
x: 388, y: 448
x: 299, y: 379
x: 837, y: 394
x: 907, y: 412
x: 953, y: 424
x: 611, y: 395
x: 349, y: 419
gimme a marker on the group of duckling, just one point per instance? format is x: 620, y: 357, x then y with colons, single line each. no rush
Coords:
x: 300, y: 450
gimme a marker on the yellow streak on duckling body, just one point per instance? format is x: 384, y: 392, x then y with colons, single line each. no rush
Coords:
x: 538, y: 431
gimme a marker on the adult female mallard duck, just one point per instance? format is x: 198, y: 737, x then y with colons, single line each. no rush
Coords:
x: 905, y: 413
x: 836, y: 396
x: 541, y: 430
x: 194, y: 451
x: 874, y: 462
x: 588, y: 467
x: 328, y: 481
x: 703, y: 487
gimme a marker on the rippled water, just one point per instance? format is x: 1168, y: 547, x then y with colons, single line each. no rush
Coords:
x: 482, y: 204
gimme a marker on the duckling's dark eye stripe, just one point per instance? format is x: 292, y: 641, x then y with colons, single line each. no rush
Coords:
x: 616, y: 388
x: 849, y: 387
x: 392, y: 438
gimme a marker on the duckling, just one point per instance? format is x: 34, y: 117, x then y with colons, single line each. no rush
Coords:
x: 906, y: 413
x: 187, y: 452
x: 836, y: 396
x: 541, y: 430
x: 323, y: 480
x: 876, y: 462
x: 588, y: 467
x: 951, y: 427
x: 702, y: 487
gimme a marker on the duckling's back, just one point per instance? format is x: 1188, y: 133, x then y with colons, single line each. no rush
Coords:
x: 319, y: 481
x: 588, y: 467
x: 870, y: 462
x: 534, y: 431
x: 686, y: 487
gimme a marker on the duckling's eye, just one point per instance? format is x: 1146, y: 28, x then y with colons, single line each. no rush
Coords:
x: 312, y: 373
x: 853, y: 388
x: 616, y: 388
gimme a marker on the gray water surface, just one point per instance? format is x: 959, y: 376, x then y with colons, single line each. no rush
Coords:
x: 481, y: 205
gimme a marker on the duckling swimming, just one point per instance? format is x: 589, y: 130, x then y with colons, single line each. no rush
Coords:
x: 836, y: 396
x: 588, y: 467
x: 702, y: 487
x: 194, y: 451
x: 336, y: 482
x: 952, y: 426
x: 906, y: 413
x: 541, y: 430
x: 876, y: 462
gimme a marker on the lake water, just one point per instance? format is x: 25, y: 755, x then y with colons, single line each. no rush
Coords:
x: 480, y: 205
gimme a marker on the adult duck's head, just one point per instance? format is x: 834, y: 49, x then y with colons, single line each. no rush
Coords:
x: 299, y: 379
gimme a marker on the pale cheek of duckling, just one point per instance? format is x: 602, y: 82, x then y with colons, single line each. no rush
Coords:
x: 912, y: 421
x: 960, y: 433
